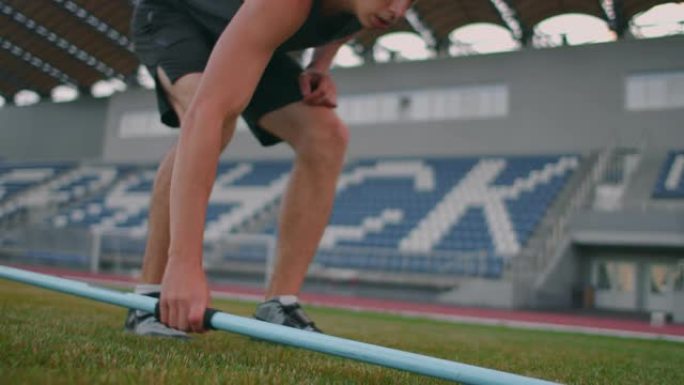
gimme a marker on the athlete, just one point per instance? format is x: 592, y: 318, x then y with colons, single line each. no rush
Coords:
x: 214, y: 60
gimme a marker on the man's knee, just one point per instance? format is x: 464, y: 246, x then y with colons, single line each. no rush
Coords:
x: 162, y: 178
x: 324, y: 140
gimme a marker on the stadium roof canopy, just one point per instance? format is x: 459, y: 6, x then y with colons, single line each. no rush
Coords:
x: 47, y: 43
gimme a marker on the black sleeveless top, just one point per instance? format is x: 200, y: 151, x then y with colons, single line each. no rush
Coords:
x: 317, y: 29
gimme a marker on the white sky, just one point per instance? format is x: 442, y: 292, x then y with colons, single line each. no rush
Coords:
x: 479, y: 38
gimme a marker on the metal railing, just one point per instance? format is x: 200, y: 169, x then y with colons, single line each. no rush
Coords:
x: 536, y: 258
x: 121, y: 251
x: 479, y: 263
x: 47, y: 245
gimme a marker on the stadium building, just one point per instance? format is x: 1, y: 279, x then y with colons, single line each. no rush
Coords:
x: 540, y: 170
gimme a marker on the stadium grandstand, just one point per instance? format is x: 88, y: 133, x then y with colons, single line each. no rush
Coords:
x: 500, y: 155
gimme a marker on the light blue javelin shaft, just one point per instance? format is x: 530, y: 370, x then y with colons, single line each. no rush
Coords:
x: 398, y: 359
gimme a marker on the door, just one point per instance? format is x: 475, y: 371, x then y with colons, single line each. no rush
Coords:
x: 659, y: 287
x: 615, y: 284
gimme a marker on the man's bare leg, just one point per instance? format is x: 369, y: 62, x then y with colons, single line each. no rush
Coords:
x: 156, y: 249
x: 158, y: 238
x: 319, y: 140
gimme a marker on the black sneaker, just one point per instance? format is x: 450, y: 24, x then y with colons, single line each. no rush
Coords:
x: 146, y: 324
x: 288, y: 315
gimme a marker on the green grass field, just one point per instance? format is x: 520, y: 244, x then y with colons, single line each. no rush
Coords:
x: 51, y: 338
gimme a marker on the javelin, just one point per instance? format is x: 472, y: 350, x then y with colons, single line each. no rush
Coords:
x: 336, y: 346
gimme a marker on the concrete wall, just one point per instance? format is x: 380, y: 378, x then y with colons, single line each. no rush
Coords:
x: 561, y: 100
x: 49, y: 131
x: 567, y: 99
x: 642, y: 237
x: 652, y: 228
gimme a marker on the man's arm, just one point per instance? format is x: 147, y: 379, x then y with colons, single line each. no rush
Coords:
x: 315, y: 82
x: 323, y: 56
x: 228, y: 82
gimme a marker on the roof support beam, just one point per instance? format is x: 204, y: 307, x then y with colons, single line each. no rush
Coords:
x: 366, y: 53
x: 37, y: 62
x: 509, y: 16
x: 415, y: 20
x: 97, y: 24
x: 614, y: 11
x: 443, y: 47
x: 59, y: 41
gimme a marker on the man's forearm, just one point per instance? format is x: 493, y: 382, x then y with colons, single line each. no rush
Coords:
x: 193, y: 177
x: 324, y: 55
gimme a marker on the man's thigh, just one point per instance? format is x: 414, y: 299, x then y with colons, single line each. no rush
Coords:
x: 181, y: 92
x: 298, y: 121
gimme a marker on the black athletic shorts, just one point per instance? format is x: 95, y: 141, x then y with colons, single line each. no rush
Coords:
x: 168, y: 36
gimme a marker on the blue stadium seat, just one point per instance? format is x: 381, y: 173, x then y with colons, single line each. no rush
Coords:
x: 457, y: 216
x: 16, y: 178
x: 124, y: 205
x: 670, y: 182
x: 489, y: 206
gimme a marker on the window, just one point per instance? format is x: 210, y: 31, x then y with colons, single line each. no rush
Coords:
x: 603, y: 279
x: 659, y: 275
x: 615, y: 276
x: 655, y: 91
x: 136, y: 124
x: 678, y: 279
x: 146, y: 124
x: 456, y: 103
